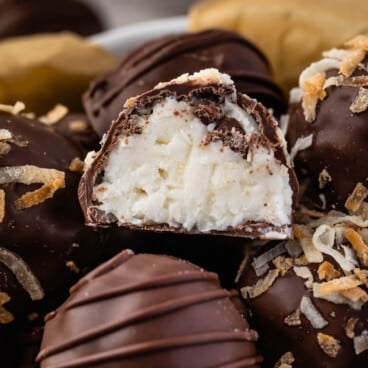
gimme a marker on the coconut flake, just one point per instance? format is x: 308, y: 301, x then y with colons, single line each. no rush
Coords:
x: 284, y: 123
x: 22, y: 273
x: 295, y: 95
x: 261, y: 286
x: 358, y: 244
x: 323, y: 239
x: 342, y: 283
x: 13, y: 109
x: 301, y: 144
x: 286, y: 361
x: 318, y: 67
x: 2, y: 205
x: 268, y: 256
x: 51, y: 179
x: 330, y: 345
x: 356, y: 198
x: 326, y: 271
x: 360, y: 102
x: 350, y: 327
x: 5, y: 316
x: 306, y: 274
x: 336, y: 298
x: 361, y: 342
x: 54, y: 115
x: 311, y: 313
x: 293, y: 319
x: 293, y: 248
x: 324, y: 178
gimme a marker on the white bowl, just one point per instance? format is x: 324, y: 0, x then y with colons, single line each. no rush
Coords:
x: 122, y: 39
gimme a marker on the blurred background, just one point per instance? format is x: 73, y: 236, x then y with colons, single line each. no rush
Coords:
x: 86, y: 17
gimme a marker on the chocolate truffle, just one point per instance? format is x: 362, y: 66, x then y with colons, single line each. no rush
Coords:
x: 45, y: 246
x: 328, y: 124
x: 165, y: 58
x: 24, y: 17
x: 148, y: 310
x: 192, y: 156
x: 308, y: 297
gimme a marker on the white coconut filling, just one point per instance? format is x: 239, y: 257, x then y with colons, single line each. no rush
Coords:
x: 167, y: 175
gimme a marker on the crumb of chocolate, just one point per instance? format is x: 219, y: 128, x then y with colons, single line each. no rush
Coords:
x: 54, y: 115
x: 283, y: 264
x: 328, y: 344
x: 286, y: 361
x: 72, y: 266
x: 324, y: 178
x: 350, y: 327
x: 293, y: 319
x: 326, y: 271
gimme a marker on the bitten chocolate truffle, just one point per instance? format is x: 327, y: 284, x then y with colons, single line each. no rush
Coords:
x: 165, y: 58
x: 308, y: 297
x: 328, y: 124
x: 149, y: 310
x: 192, y: 156
x: 45, y: 246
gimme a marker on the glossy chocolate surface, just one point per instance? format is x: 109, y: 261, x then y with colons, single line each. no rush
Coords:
x: 148, y: 310
x: 50, y: 237
x: 276, y: 338
x: 168, y: 57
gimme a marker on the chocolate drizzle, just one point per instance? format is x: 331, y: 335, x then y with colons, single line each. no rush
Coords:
x: 167, y: 310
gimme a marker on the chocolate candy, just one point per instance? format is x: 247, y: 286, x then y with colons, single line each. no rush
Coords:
x: 308, y: 297
x: 330, y: 119
x: 167, y: 57
x: 192, y: 156
x: 45, y: 246
x: 20, y: 17
x: 148, y: 310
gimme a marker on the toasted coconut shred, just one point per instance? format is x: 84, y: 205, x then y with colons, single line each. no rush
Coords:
x: 313, y: 82
x: 15, y: 109
x: 2, y: 205
x: 54, y: 115
x: 328, y: 344
x: 23, y: 273
x: 51, y: 179
x: 338, y: 243
x: 5, y: 316
x: 286, y: 361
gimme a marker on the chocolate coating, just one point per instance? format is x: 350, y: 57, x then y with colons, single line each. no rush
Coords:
x: 205, y: 100
x: 147, y: 310
x: 340, y: 137
x: 167, y: 57
x: 77, y: 128
x: 19, y: 17
x: 283, y: 298
x: 50, y: 237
